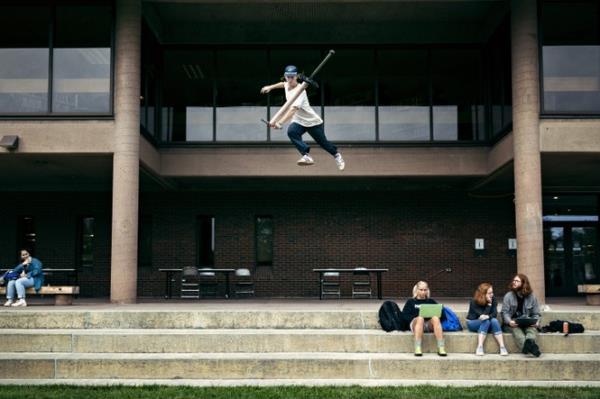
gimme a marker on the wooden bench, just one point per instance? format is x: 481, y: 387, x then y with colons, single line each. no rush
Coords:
x: 592, y: 292
x: 63, y: 295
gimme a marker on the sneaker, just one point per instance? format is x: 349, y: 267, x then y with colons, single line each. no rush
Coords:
x: 418, y: 351
x: 306, y: 160
x: 503, y: 351
x: 442, y: 351
x: 8, y: 303
x: 20, y: 302
x: 340, y: 161
x: 479, y: 351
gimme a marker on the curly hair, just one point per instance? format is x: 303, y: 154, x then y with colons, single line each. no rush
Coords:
x: 525, y: 289
x: 480, y: 293
x: 416, y: 289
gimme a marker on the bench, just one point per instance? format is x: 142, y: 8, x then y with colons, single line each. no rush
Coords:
x: 63, y: 295
x: 592, y: 292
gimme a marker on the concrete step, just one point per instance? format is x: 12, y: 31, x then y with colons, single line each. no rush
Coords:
x: 234, y: 319
x: 268, y: 341
x: 556, y: 367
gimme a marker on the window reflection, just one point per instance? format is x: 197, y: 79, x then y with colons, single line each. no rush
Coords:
x: 24, y: 59
x: 457, y: 97
x: 403, y: 95
x: 81, y: 59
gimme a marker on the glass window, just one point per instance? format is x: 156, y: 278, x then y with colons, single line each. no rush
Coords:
x: 24, y: 59
x: 264, y: 240
x: 571, y: 56
x: 145, y: 241
x: 86, y: 242
x: 500, y: 84
x: 457, y: 98
x: 148, y: 94
x: 570, y: 208
x: 187, y: 97
x: 26, y: 234
x: 205, y: 240
x: 349, y: 93
x: 82, y: 59
x: 304, y: 59
x: 403, y: 95
x: 240, y: 106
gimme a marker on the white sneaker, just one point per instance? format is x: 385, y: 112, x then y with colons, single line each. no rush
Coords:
x: 8, y: 303
x: 20, y: 302
x: 503, y: 351
x: 479, y: 351
x: 340, y: 161
x: 306, y: 160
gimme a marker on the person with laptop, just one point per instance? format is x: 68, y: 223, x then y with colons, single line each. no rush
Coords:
x: 424, y: 314
x: 521, y: 313
x: 482, y: 318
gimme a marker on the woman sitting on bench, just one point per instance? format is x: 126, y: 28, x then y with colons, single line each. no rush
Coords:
x: 30, y: 275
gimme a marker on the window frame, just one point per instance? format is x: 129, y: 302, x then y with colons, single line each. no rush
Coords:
x: 49, y: 115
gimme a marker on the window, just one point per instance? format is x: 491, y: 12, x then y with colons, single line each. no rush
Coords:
x: 457, y: 97
x: 403, y: 95
x: 27, y: 239
x: 500, y: 84
x: 85, y: 238
x: 264, y: 240
x: 571, y: 57
x: 145, y: 241
x: 55, y: 59
x: 24, y: 38
x: 205, y: 241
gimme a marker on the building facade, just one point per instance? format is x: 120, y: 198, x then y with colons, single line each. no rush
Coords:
x: 132, y: 141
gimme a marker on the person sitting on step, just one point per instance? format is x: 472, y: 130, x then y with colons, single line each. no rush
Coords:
x: 521, y: 302
x: 420, y: 325
x: 31, y: 275
x: 482, y: 317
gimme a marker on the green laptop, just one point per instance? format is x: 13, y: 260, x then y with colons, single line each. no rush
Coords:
x: 427, y: 311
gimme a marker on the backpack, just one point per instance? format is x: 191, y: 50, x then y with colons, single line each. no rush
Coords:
x: 9, y: 275
x: 558, y: 326
x: 391, y: 318
x: 450, y: 321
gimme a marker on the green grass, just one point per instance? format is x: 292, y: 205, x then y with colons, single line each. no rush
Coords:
x: 420, y: 392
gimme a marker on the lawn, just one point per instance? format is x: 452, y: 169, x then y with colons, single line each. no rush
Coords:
x: 287, y: 392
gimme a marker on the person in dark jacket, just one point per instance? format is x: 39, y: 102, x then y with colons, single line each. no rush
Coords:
x: 521, y: 302
x: 419, y: 325
x: 482, y: 318
x: 31, y: 275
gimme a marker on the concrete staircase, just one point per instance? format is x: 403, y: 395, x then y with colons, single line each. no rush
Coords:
x: 280, y: 346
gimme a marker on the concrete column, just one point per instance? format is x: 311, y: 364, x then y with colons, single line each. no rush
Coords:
x: 526, y: 134
x: 126, y: 160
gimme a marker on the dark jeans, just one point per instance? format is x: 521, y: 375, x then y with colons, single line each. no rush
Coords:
x: 295, y: 132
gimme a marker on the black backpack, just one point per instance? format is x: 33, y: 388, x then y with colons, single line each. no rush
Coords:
x: 391, y: 318
x: 558, y: 325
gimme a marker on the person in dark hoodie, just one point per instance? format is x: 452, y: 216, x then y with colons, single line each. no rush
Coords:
x: 482, y: 318
x: 521, y: 302
x: 419, y: 325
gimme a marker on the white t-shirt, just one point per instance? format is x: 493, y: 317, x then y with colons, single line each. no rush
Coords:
x: 305, y: 115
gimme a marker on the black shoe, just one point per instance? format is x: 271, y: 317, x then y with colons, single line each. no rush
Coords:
x: 527, y: 346
x: 534, y: 349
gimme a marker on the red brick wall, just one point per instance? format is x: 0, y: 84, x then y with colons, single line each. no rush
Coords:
x: 413, y: 234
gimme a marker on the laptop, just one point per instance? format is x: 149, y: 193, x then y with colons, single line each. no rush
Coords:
x: 427, y: 311
x: 525, y: 321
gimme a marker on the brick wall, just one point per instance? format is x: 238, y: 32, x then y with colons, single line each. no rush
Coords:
x: 415, y: 235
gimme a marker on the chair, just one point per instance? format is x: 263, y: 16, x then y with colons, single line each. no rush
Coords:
x: 244, y: 285
x: 189, y: 282
x: 207, y: 281
x: 330, y: 284
x: 361, y: 283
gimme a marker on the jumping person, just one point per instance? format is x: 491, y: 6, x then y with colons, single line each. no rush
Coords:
x: 304, y: 119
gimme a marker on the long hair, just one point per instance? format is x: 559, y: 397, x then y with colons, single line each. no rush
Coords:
x: 525, y: 289
x: 416, y: 288
x: 480, y: 294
